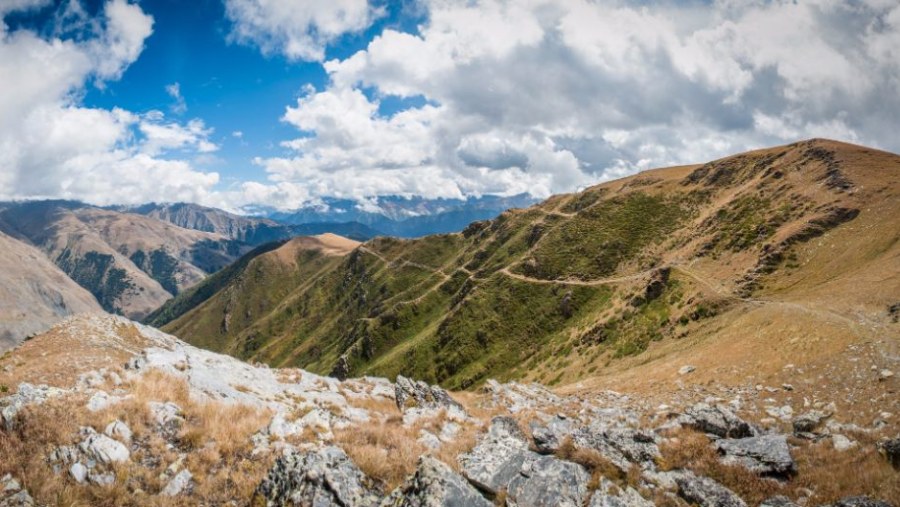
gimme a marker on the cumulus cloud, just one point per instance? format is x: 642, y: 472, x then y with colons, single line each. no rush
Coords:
x: 298, y: 30
x: 53, y: 147
x: 550, y: 95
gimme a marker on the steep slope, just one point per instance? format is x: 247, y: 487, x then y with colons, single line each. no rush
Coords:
x: 581, y: 284
x: 130, y: 263
x: 235, y: 298
x: 250, y: 230
x: 34, y: 293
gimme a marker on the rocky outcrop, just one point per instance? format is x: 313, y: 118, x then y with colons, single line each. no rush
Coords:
x: 719, y: 421
x: 858, y: 501
x: 12, y: 494
x: 764, y: 455
x: 891, y: 450
x: 26, y: 394
x: 501, y: 461
x: 325, y: 477
x: 417, y: 394
x: 435, y: 485
x: 706, y: 492
x: 609, y: 495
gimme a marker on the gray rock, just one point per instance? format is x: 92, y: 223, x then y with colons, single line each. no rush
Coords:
x: 623, y: 447
x: 78, y: 472
x: 764, y: 455
x: 549, y: 482
x: 719, y: 420
x: 178, y: 484
x: 809, y: 421
x: 842, y: 443
x: 778, y: 501
x: 435, y: 485
x: 27, y: 394
x: 607, y: 495
x: 706, y: 492
x: 684, y: 370
x: 497, y: 457
x: 549, y: 437
x: 325, y: 477
x: 12, y: 494
x: 102, y: 479
x: 891, y: 450
x: 859, y: 501
x: 118, y: 430
x: 417, y: 394
x: 166, y: 414
x: 102, y: 448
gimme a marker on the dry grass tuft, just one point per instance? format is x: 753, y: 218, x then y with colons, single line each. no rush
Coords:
x: 829, y: 474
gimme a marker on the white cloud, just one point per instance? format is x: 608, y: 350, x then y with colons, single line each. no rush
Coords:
x: 174, y: 91
x: 549, y: 95
x: 53, y: 147
x: 299, y: 30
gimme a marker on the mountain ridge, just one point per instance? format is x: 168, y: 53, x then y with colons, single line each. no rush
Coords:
x: 608, y: 272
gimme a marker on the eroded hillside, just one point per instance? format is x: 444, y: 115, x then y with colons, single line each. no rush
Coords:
x: 743, y: 254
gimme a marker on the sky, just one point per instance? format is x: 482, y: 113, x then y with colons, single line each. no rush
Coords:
x: 280, y: 103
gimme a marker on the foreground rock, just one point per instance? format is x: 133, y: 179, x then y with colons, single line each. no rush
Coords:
x: 322, y: 478
x: 417, y: 399
x: 12, y: 494
x: 765, y: 455
x: 501, y: 461
x: 706, y: 492
x: 718, y: 420
x: 435, y: 485
x: 26, y: 394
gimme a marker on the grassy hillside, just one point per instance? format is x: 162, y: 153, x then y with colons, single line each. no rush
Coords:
x: 579, y: 283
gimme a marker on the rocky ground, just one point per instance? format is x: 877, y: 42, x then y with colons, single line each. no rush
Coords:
x: 115, y: 413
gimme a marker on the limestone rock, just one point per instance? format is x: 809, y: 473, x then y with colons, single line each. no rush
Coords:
x: 27, y: 394
x: 706, y: 492
x: 12, y: 494
x: 118, y: 430
x: 809, y: 421
x: 102, y: 448
x: 178, y: 484
x: 435, y: 485
x: 325, y: 477
x: 719, y: 420
x: 497, y: 457
x: 764, y: 455
x: 549, y: 437
x: 417, y: 394
x: 607, y: 495
x: 891, y: 450
x: 778, y: 501
x: 859, y: 501
x: 842, y: 443
x: 549, y: 482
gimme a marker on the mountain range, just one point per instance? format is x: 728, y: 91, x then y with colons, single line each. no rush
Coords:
x: 131, y: 259
x: 797, y: 233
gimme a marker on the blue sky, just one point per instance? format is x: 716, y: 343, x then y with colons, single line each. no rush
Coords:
x: 434, y: 98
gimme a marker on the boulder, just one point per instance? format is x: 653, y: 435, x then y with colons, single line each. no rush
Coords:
x: 166, y: 414
x: 325, y: 477
x: 79, y: 472
x: 890, y: 449
x: 27, y: 394
x: 623, y: 447
x: 417, y: 394
x: 778, y: 501
x: 706, y: 492
x: 548, y: 437
x: 719, y: 420
x: 858, y: 501
x: 608, y: 495
x: 842, y: 443
x: 764, y: 455
x: 497, y: 457
x: 549, y: 482
x: 809, y: 421
x: 178, y: 484
x: 435, y: 485
x: 118, y: 430
x: 12, y: 494
x: 102, y: 448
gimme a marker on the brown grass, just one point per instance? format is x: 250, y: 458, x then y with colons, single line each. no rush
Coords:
x: 214, y: 437
x: 831, y: 475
